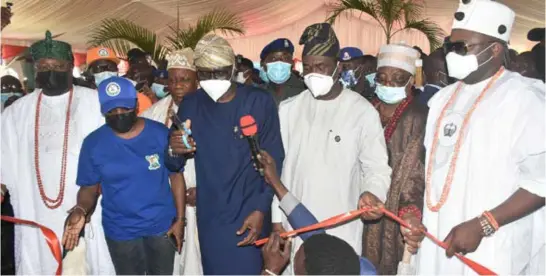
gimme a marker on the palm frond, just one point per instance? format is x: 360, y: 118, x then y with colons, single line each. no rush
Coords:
x: 433, y: 32
x: 363, y: 6
x: 390, y: 11
x: 122, y: 35
x: 218, y: 20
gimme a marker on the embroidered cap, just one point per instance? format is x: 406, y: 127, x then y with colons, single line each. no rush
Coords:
x: 116, y: 92
x: 398, y: 56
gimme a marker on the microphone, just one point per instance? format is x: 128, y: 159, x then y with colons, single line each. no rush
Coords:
x: 250, y: 131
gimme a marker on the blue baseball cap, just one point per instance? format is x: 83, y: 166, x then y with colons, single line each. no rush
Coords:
x: 278, y: 45
x: 349, y: 53
x: 116, y: 92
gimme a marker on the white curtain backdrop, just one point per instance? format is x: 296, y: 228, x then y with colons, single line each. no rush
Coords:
x: 265, y: 20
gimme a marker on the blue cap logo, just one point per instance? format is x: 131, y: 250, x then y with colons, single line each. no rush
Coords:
x: 286, y: 45
x: 346, y: 56
x: 113, y: 89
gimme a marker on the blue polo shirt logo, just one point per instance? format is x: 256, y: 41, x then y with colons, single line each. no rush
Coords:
x: 154, y: 162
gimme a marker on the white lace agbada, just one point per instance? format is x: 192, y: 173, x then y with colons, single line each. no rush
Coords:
x: 32, y: 255
x: 503, y: 150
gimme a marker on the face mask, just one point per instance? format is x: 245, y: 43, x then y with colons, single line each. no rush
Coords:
x: 99, y: 77
x: 121, y: 123
x: 241, y: 78
x: 278, y: 72
x: 348, y: 78
x: 263, y: 76
x: 53, y: 83
x: 159, y: 90
x: 215, y: 88
x: 319, y: 84
x: 371, y: 79
x: 391, y: 95
x: 6, y: 96
x: 460, y: 67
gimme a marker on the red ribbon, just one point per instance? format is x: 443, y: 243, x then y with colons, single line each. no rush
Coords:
x: 478, y: 268
x: 51, y: 239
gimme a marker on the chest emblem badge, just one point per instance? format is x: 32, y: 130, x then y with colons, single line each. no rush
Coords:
x: 450, y: 129
x: 153, y: 161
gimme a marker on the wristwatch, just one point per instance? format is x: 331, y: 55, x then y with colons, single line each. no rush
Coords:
x: 487, y: 228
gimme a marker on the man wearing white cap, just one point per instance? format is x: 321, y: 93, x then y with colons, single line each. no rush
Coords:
x: 403, y: 119
x: 182, y: 80
x: 485, y: 169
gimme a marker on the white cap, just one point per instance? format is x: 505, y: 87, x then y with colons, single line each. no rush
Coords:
x: 399, y: 56
x: 486, y: 17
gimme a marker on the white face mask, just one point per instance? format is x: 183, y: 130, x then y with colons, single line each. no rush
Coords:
x: 391, y: 95
x: 215, y: 88
x: 319, y: 84
x: 460, y: 67
x: 241, y: 77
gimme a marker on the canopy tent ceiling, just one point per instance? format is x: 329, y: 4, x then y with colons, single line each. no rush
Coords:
x: 264, y: 20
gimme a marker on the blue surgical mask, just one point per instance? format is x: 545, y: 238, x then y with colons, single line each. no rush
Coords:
x: 371, y: 78
x: 99, y: 77
x: 391, y: 95
x: 348, y: 78
x: 6, y: 96
x: 159, y: 90
x: 278, y: 71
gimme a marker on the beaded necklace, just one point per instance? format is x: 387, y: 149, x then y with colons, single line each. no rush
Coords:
x: 453, y: 163
x: 393, y: 121
x: 51, y: 203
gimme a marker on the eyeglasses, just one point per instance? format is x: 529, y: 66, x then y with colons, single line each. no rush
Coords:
x: 223, y: 73
x: 461, y: 47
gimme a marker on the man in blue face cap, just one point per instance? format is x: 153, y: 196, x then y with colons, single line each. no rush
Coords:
x: 277, y: 61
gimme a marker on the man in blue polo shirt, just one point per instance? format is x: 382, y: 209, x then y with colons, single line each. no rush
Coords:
x: 277, y: 61
x: 142, y: 223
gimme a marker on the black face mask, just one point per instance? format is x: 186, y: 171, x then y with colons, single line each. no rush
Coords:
x: 122, y: 123
x: 53, y: 83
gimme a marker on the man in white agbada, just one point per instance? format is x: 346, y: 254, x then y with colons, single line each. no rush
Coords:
x: 41, y: 138
x: 485, y: 161
x: 334, y: 143
x: 182, y: 80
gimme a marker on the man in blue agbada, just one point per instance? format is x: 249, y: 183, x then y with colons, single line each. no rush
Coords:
x: 233, y: 201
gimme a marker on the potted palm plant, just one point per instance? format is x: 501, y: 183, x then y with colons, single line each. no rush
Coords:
x: 122, y: 35
x: 393, y: 16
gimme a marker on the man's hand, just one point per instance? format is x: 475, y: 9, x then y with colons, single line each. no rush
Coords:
x: 369, y: 200
x: 277, y: 228
x: 75, y: 224
x: 270, y: 168
x: 276, y: 259
x: 464, y: 238
x: 191, y: 196
x: 177, y: 230
x: 177, y: 144
x: 253, y: 223
x: 415, y: 235
x: 6, y: 17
